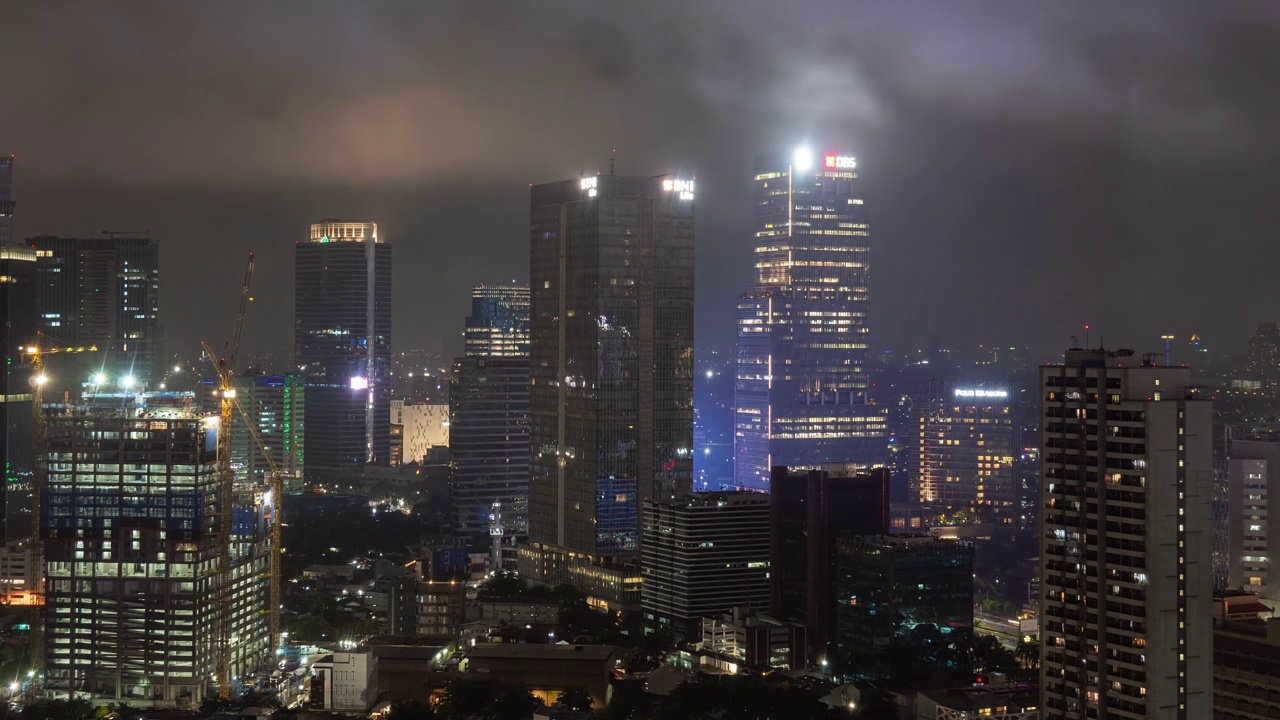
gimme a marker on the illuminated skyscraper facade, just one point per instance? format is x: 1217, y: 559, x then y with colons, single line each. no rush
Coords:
x: 499, y: 322
x: 964, y: 454
x: 611, y: 393
x: 801, y: 388
x: 342, y: 345
x: 129, y: 522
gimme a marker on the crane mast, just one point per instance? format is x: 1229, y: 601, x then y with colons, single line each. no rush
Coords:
x: 226, y: 367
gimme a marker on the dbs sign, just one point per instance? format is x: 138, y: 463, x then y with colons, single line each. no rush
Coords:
x: 839, y: 162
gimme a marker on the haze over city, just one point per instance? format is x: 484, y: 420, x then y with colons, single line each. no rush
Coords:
x: 1013, y: 151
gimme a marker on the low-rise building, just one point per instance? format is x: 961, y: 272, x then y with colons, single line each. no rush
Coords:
x: 983, y: 702
x: 20, y: 576
x: 517, y: 613
x: 402, y: 669
x: 442, y: 608
x: 738, y: 640
x: 1246, y: 670
x: 343, y: 682
x: 548, y: 669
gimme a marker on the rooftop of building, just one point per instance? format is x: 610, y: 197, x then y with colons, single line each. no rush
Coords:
x: 722, y: 498
x: 1120, y: 358
x: 1241, y: 646
x: 673, y: 186
x: 167, y: 405
x: 838, y: 470
x: 972, y: 698
x: 525, y: 651
x: 905, y: 540
x: 15, y: 251
x: 332, y: 230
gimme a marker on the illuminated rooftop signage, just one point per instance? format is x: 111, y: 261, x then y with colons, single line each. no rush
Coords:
x: 995, y: 394
x: 589, y: 184
x: 839, y: 162
x: 683, y: 187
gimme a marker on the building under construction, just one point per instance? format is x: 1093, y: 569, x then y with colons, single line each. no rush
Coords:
x: 130, y: 518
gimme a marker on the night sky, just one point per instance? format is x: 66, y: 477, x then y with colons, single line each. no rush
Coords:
x: 1030, y: 167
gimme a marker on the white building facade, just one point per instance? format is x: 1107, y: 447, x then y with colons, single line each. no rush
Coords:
x: 1126, y: 540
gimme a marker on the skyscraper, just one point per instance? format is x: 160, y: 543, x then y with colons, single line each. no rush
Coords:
x: 489, y: 443
x: 611, y: 393
x: 704, y: 554
x: 801, y: 390
x: 489, y: 416
x: 1264, y: 350
x: 129, y: 524
x: 342, y: 345
x: 6, y: 200
x: 899, y: 597
x: 809, y: 510
x: 276, y: 405
x: 498, y: 325
x: 1252, y: 469
x: 17, y: 330
x: 105, y: 292
x: 1125, y: 541
x: 965, y: 450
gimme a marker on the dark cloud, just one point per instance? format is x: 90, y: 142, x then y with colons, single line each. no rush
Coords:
x: 1033, y: 166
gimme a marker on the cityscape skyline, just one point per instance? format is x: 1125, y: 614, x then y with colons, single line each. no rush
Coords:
x: 586, y: 443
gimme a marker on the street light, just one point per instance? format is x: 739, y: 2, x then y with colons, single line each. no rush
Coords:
x: 99, y: 379
x: 126, y: 382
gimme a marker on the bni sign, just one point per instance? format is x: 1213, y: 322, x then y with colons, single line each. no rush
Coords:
x: 683, y: 187
x: 839, y: 162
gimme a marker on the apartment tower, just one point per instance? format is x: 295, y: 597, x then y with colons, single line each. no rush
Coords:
x: 1126, y: 540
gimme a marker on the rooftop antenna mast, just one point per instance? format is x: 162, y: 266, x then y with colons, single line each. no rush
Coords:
x: 612, y: 157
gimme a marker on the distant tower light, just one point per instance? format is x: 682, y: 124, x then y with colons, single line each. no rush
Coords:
x: 803, y: 159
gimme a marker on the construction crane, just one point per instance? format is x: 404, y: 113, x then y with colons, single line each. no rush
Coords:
x: 226, y: 368
x: 39, y: 476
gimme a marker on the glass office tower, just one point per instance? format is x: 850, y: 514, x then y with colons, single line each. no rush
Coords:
x: 489, y: 416
x: 102, y: 292
x: 17, y: 330
x: 498, y: 325
x: 611, y: 393
x: 342, y: 345
x: 801, y: 389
